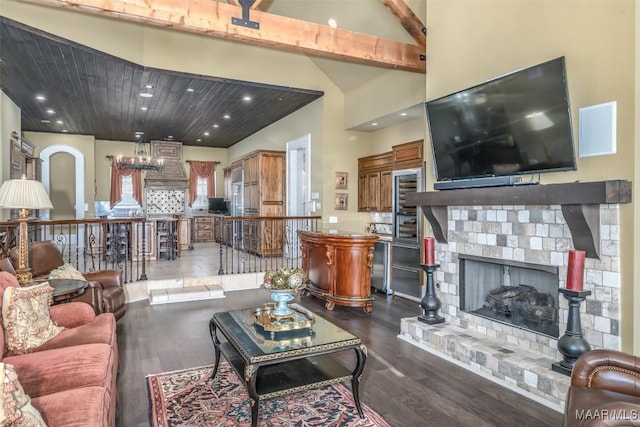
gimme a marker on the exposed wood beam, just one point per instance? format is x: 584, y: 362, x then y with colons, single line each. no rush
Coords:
x: 237, y: 3
x: 408, y: 19
x: 213, y: 18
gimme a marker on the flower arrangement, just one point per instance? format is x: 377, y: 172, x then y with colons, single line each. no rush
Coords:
x: 285, y: 279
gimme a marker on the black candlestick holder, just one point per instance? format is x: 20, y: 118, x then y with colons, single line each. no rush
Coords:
x: 573, y: 343
x: 430, y: 302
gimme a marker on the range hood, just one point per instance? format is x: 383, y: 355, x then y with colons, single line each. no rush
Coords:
x: 174, y: 175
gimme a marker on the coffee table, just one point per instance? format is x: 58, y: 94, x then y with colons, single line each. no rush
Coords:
x: 66, y: 289
x: 291, y: 363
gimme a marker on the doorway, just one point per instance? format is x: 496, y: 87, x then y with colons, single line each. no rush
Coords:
x: 298, y: 185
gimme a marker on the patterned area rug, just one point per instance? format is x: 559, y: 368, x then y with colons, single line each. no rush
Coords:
x: 190, y: 398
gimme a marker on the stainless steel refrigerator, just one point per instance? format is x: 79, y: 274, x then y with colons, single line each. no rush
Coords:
x: 406, y: 273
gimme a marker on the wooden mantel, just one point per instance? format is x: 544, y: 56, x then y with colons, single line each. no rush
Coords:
x: 580, y: 203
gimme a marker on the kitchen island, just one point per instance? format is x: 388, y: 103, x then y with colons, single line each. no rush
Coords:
x: 338, y: 264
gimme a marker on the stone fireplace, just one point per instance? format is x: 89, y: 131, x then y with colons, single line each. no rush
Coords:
x: 499, y: 261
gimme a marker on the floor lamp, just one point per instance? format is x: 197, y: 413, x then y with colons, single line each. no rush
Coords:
x: 23, y: 194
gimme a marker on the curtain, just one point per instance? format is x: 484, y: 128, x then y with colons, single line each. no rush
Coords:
x: 116, y: 183
x: 202, y: 170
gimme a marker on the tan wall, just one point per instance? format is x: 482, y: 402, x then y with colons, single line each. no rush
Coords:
x: 62, y: 167
x: 472, y: 41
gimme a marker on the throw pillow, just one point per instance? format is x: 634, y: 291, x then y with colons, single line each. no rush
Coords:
x: 66, y: 271
x: 16, y: 409
x: 26, y: 319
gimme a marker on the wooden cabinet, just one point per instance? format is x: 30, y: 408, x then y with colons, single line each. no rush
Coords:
x: 204, y: 229
x: 375, y: 175
x: 339, y: 267
x: 408, y: 155
x: 386, y: 191
x: 374, y: 183
x: 184, y: 234
x: 264, y: 196
x: 23, y: 160
x: 222, y: 230
x: 149, y: 245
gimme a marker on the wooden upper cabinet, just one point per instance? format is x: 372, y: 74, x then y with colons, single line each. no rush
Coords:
x: 272, y: 178
x: 386, y: 191
x: 372, y: 171
x: 408, y: 155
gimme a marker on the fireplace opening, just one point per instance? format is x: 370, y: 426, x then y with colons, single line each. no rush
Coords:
x: 520, y: 294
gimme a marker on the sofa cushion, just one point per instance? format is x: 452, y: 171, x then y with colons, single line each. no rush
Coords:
x: 6, y: 280
x: 51, y: 371
x: 26, y: 318
x: 66, y: 271
x: 15, y: 406
x: 101, y: 331
x: 90, y: 406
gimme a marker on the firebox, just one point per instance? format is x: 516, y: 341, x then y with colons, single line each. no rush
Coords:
x: 523, y: 295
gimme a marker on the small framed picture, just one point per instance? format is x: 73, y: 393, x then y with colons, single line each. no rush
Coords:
x: 342, y: 201
x: 342, y: 180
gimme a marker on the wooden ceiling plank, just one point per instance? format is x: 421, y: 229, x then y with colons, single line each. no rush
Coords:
x: 414, y: 26
x: 214, y: 18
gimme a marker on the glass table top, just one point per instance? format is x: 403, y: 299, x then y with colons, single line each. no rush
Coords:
x: 254, y: 340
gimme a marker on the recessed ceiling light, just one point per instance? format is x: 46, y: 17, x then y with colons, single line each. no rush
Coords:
x: 59, y: 122
x: 149, y: 86
x: 45, y: 121
x: 41, y: 98
x: 50, y: 111
x: 144, y: 108
x: 403, y: 114
x: 206, y: 134
x: 139, y: 132
x: 246, y: 98
x: 332, y: 23
x: 216, y: 126
x: 64, y: 130
x: 226, y: 116
x: 189, y: 89
x: 170, y: 137
x: 279, y: 99
x: 198, y: 140
x: 374, y: 124
x: 146, y: 94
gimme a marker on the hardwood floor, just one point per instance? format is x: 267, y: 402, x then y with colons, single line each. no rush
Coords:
x: 409, y: 387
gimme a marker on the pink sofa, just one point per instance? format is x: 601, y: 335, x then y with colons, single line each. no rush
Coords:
x: 71, y: 378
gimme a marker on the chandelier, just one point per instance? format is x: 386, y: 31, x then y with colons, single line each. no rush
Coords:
x: 141, y: 160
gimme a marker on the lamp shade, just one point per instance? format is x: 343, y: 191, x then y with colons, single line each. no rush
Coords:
x: 24, y: 194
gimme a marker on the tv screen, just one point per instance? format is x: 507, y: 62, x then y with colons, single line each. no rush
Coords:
x: 518, y: 123
x: 217, y: 205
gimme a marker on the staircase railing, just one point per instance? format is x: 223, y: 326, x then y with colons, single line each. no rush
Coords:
x: 243, y: 244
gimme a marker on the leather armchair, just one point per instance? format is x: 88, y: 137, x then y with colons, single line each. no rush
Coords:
x: 104, y: 291
x: 604, y: 391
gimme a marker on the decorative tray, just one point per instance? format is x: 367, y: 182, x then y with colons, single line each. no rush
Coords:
x: 295, y: 325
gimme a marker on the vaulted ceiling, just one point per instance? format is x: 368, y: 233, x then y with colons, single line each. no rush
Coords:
x: 98, y: 94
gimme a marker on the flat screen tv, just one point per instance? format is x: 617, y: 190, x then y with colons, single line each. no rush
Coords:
x: 217, y: 205
x: 519, y: 123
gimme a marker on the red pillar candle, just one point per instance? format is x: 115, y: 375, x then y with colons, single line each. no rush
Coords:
x: 429, y: 254
x: 575, y: 270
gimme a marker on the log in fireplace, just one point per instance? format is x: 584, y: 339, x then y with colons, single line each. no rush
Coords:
x: 520, y: 294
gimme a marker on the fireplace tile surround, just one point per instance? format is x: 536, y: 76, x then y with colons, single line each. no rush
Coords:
x: 538, y: 234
